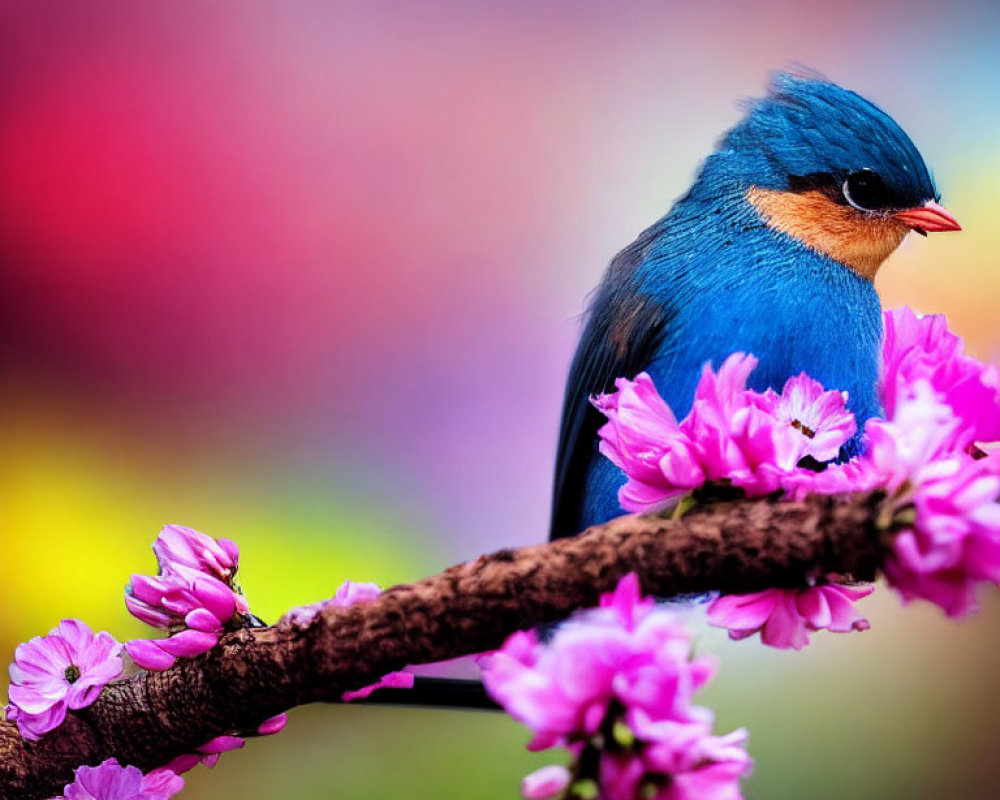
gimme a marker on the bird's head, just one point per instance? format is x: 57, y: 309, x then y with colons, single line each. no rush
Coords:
x: 829, y: 168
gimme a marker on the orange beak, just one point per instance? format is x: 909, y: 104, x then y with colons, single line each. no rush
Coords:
x: 931, y: 217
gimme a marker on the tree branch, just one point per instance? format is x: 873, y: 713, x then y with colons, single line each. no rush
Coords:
x: 735, y: 546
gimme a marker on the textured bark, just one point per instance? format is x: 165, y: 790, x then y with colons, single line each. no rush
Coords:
x: 736, y: 546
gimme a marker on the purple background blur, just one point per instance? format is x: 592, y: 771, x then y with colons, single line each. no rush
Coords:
x: 308, y: 275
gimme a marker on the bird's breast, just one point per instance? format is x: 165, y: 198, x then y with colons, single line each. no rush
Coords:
x: 792, y: 308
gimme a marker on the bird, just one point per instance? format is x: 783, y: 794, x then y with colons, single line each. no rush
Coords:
x: 772, y: 251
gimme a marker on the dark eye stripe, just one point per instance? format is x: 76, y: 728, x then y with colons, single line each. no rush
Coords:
x: 863, y: 189
x: 814, y: 181
x: 824, y: 182
x: 866, y: 191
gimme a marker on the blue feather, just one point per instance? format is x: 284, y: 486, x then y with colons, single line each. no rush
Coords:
x: 712, y: 277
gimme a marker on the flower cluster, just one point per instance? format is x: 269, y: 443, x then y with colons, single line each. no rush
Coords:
x: 939, y: 404
x: 944, y: 518
x: 751, y: 440
x: 943, y: 489
x: 193, y: 597
x: 196, y: 599
x: 111, y: 781
x: 67, y: 669
x: 922, y: 349
x: 784, y: 618
x: 615, y: 685
x: 954, y: 544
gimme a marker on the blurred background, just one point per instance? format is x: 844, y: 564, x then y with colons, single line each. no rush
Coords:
x: 308, y: 276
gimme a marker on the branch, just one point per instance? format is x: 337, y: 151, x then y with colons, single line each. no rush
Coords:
x: 735, y: 546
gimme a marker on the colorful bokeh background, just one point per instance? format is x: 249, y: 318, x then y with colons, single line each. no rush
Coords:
x: 308, y: 275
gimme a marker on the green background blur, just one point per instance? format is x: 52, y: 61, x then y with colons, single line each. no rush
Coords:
x: 307, y: 275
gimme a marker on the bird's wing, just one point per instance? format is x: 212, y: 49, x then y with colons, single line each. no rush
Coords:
x: 622, y: 334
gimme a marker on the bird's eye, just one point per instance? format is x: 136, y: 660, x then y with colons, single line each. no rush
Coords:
x: 865, y: 190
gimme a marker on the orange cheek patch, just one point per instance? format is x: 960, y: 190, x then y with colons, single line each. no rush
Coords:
x: 858, y: 240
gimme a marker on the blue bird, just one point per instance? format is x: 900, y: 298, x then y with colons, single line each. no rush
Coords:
x: 772, y: 252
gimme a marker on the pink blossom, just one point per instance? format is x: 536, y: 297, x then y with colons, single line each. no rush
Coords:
x: 206, y: 622
x: 732, y: 434
x: 640, y: 433
x: 181, y: 548
x: 301, y: 617
x: 954, y: 544
x: 545, y: 782
x: 169, y: 600
x: 348, y: 593
x: 627, y: 650
x: 785, y: 617
x: 950, y: 539
x: 627, y: 662
x: 193, y: 597
x: 923, y: 429
x: 943, y: 408
x: 622, y: 775
x: 923, y: 349
x: 684, y: 763
x: 821, y: 417
x: 111, y: 781
x: 67, y: 669
x: 351, y: 592
x: 700, y: 766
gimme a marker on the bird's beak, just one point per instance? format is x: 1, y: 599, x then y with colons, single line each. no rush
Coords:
x: 931, y: 217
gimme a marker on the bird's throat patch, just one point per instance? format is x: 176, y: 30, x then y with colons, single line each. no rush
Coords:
x: 859, y: 240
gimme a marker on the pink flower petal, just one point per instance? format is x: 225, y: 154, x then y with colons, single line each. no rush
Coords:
x: 784, y: 617
x: 161, y: 784
x: 545, y: 782
x: 149, y: 655
x: 272, y: 725
x: 222, y: 744
x: 627, y: 657
x: 351, y: 592
x: 392, y: 680
x: 178, y: 547
x: 66, y: 669
x: 201, y: 619
x: 110, y: 781
x: 189, y: 643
